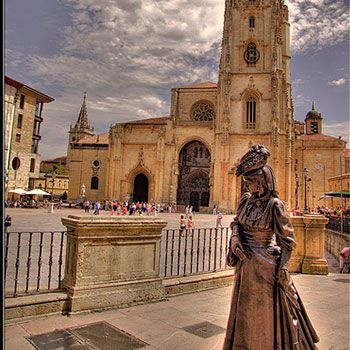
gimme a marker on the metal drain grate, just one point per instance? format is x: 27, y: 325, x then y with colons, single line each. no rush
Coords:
x: 104, y: 336
x: 57, y: 340
x: 204, y: 329
x: 97, y: 336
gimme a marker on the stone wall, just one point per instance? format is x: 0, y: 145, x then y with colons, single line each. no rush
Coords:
x: 336, y: 241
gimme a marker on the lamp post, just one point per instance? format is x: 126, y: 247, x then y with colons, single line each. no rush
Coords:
x: 306, y: 180
x: 53, y: 181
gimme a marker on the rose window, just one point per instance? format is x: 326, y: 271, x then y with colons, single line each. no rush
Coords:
x: 203, y: 112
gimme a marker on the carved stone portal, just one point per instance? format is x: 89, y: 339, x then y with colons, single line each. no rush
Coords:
x: 194, y: 168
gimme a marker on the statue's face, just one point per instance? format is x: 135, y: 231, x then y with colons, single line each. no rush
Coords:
x: 255, y: 183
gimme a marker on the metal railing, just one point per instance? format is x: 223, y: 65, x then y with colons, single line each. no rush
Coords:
x: 335, y: 225
x: 190, y: 252
x: 33, y: 262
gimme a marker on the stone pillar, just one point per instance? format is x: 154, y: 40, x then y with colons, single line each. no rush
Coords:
x: 112, y: 261
x: 309, y: 256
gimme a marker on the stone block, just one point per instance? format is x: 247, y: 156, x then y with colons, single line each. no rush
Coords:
x: 112, y: 261
x: 309, y: 255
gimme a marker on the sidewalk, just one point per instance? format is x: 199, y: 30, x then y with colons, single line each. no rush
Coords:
x: 194, y: 321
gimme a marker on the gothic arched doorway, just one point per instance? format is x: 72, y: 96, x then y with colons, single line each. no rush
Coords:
x: 193, y: 182
x: 140, y: 193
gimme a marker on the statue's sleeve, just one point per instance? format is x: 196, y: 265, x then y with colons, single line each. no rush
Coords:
x: 282, y: 226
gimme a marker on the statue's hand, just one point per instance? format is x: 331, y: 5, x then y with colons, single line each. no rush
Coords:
x: 283, y: 278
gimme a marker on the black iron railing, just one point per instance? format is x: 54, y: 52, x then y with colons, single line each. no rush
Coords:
x: 335, y: 225
x: 34, y: 262
x: 189, y: 252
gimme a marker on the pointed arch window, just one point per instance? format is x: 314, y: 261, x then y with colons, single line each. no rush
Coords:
x: 250, y: 118
x: 251, y: 22
x: 94, y: 183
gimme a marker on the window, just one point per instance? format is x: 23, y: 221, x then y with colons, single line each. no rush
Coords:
x: 94, y: 183
x: 251, y: 113
x: 96, y: 163
x: 19, y: 121
x: 314, y: 128
x: 18, y: 137
x: 38, y: 108
x: 251, y: 22
x: 202, y: 111
x: 34, y: 146
x: 251, y: 55
x: 21, y: 102
x: 31, y: 183
x: 36, y: 127
x: 16, y: 163
x: 32, y: 165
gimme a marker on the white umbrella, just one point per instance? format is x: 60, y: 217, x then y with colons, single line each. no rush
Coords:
x: 18, y: 191
x: 39, y: 192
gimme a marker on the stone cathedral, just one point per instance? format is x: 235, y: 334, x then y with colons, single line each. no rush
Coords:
x: 189, y: 156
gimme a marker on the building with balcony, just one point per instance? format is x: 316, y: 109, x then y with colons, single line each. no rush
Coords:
x: 23, y: 118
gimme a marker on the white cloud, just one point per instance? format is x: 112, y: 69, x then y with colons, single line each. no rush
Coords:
x: 127, y: 54
x: 316, y: 24
x: 337, y: 129
x: 338, y: 82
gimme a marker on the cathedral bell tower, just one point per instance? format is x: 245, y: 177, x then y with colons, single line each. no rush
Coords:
x: 82, y: 127
x: 80, y: 130
x: 254, y: 87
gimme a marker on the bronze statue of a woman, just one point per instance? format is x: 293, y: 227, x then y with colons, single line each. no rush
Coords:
x: 266, y: 310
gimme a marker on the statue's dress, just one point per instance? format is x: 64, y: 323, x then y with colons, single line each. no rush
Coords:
x: 264, y: 316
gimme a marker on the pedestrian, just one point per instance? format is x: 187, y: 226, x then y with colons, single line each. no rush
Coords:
x: 86, y: 206
x: 190, y: 224
x: 182, y: 225
x: 218, y: 220
x: 8, y: 222
x: 344, y: 259
x: 97, y: 208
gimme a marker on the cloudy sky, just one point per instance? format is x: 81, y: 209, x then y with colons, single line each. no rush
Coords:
x: 127, y: 54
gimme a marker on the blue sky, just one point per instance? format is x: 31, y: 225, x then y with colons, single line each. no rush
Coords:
x: 127, y: 54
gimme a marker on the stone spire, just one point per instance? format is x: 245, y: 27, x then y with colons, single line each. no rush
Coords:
x: 82, y: 122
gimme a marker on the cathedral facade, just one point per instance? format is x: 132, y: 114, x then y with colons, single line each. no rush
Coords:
x: 189, y: 157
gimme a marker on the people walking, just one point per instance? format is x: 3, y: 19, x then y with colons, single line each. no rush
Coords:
x: 86, y: 206
x: 190, y: 224
x: 8, y: 222
x: 219, y: 220
x: 97, y: 208
x: 182, y: 225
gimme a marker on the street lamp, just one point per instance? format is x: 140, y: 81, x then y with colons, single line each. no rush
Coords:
x: 53, y: 181
x: 306, y: 180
